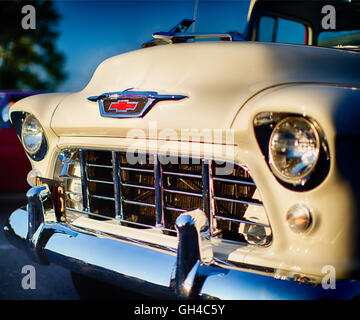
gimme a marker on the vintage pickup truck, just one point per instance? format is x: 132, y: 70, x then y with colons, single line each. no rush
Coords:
x: 218, y: 169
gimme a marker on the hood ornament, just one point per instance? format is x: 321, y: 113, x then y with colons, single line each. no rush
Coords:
x: 130, y: 104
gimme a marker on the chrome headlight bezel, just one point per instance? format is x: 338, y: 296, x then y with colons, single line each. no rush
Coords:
x: 264, y: 124
x: 298, y: 178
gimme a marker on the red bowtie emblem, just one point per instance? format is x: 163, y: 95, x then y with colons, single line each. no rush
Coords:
x: 122, y: 106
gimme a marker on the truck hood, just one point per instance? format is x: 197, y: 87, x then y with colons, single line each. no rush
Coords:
x: 217, y: 77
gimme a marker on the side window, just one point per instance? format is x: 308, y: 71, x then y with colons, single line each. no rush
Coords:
x: 275, y: 29
x: 291, y: 32
x: 267, y: 29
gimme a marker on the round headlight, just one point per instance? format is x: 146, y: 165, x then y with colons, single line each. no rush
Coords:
x: 32, y: 134
x: 294, y: 149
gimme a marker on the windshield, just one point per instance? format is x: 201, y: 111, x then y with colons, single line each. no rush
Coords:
x: 323, y: 23
x: 339, y: 38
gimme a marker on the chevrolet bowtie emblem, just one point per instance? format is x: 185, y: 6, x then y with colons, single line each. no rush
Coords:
x: 122, y: 106
x: 130, y: 104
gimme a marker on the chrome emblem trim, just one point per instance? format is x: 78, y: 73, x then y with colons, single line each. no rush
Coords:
x: 129, y: 104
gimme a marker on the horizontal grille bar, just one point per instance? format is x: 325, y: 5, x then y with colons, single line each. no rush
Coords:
x: 243, y: 181
x: 175, y: 209
x: 100, y: 181
x: 139, y: 203
x: 137, y: 186
x: 252, y: 202
x: 184, y: 192
x: 101, y: 197
x: 98, y: 165
x: 242, y: 221
x: 183, y: 174
x: 136, y: 169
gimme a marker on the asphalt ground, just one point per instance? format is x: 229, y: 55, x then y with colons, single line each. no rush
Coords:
x: 51, y: 282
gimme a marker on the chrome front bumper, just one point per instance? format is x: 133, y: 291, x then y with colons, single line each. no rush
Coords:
x: 188, y: 272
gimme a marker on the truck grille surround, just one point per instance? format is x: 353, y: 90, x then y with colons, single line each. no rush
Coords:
x: 145, y: 190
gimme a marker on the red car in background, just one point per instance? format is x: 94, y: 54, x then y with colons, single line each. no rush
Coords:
x: 14, y: 164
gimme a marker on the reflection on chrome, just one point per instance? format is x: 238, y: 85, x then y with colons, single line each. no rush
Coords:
x: 186, y: 269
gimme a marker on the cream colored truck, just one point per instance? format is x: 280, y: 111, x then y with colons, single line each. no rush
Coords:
x: 206, y: 169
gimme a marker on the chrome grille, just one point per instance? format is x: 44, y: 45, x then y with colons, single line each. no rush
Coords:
x: 153, y: 190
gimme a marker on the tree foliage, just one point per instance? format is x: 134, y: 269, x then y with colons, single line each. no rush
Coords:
x: 29, y: 58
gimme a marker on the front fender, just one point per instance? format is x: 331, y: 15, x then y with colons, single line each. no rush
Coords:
x: 334, y: 236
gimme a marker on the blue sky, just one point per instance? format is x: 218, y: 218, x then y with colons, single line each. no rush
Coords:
x: 91, y: 31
